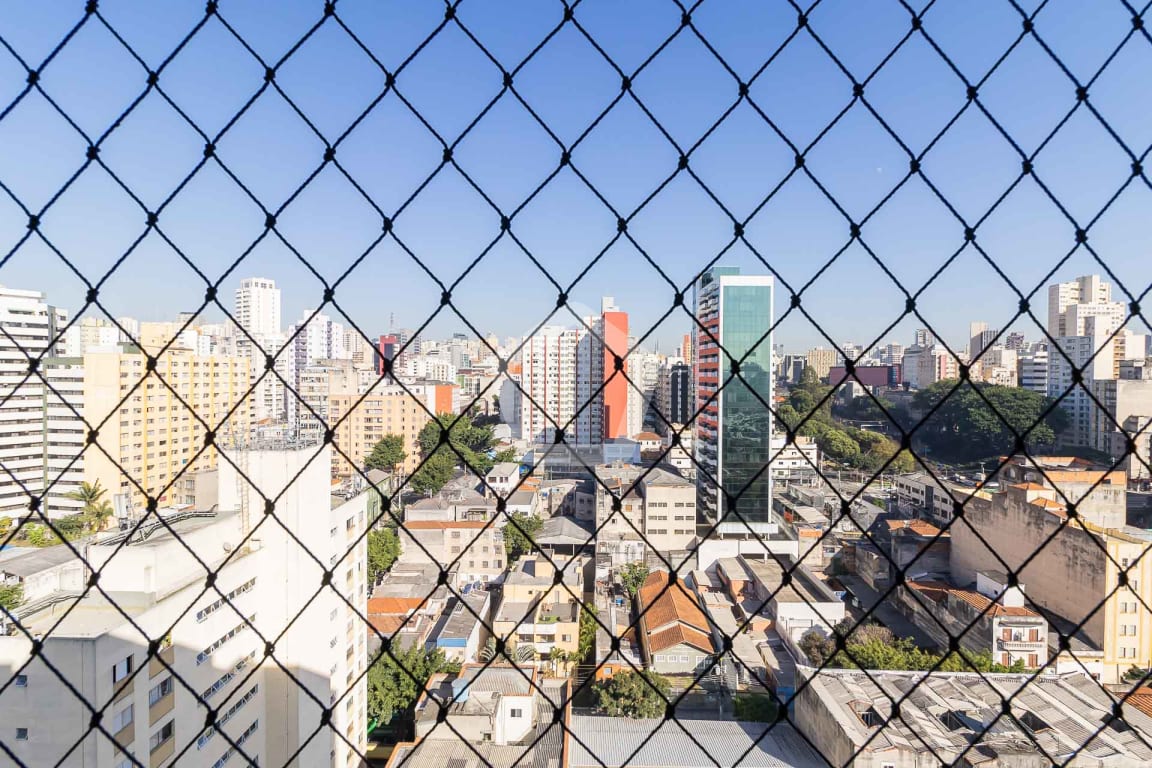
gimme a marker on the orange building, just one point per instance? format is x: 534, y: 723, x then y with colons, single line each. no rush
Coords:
x: 615, y: 334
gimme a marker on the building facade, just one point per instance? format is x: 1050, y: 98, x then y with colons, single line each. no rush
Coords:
x: 734, y: 426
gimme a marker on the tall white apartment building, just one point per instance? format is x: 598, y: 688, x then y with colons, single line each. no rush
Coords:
x: 87, y: 333
x: 41, y: 430
x: 1032, y: 367
x: 549, y: 366
x: 258, y: 306
x: 193, y: 644
x: 257, y: 311
x: 1083, y: 319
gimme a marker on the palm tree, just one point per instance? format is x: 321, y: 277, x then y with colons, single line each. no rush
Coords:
x: 96, y: 508
x: 88, y: 494
x: 518, y: 654
x: 98, y: 514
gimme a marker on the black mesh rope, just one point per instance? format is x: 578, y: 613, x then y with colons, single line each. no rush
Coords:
x: 1032, y: 161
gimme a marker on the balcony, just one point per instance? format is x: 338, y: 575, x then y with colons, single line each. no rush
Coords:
x: 1027, y: 646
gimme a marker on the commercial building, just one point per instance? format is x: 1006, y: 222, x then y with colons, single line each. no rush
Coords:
x: 674, y: 632
x: 952, y: 718
x: 822, y: 360
x: 155, y: 419
x: 868, y: 375
x: 734, y: 425
x: 172, y: 642
x: 674, y: 397
x: 1070, y: 566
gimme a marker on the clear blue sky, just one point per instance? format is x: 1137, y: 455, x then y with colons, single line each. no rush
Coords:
x: 507, y: 154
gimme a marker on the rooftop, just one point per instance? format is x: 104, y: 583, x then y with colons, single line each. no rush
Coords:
x: 801, y: 586
x: 936, y: 591
x: 29, y: 561
x: 599, y: 741
x: 946, y: 712
x: 564, y: 531
x: 466, y: 612
x: 671, y: 614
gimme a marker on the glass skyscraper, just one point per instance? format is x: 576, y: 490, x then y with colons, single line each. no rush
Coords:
x: 734, y: 425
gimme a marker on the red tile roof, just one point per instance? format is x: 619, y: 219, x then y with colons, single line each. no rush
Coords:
x: 672, y: 614
x: 396, y: 605
x: 919, y: 527
x: 678, y: 635
x: 1141, y: 699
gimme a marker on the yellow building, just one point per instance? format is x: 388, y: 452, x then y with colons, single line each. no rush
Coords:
x: 151, y: 435
x: 378, y: 414
x: 535, y: 610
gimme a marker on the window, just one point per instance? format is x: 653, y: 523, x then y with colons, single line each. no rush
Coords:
x: 122, y: 719
x: 121, y: 669
x: 517, y: 713
x: 160, y: 691
x: 21, y: 734
x: 21, y: 681
x: 161, y: 736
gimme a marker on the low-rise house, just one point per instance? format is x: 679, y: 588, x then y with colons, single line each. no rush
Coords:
x: 405, y: 621
x: 565, y: 536
x: 959, y: 719
x: 657, y: 513
x: 992, y: 618
x: 918, y: 548
x: 497, y: 715
x: 674, y: 632
x: 460, y: 633
x: 454, y: 504
x: 537, y: 610
x: 502, y: 478
x: 472, y: 548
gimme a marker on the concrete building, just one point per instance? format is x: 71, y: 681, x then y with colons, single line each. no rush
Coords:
x: 674, y: 396
x: 257, y: 306
x: 926, y: 365
x: 88, y: 332
x: 41, y: 431
x: 734, y: 426
x: 472, y: 549
x: 537, y: 610
x: 674, y: 632
x: 795, y: 600
x: 1032, y: 368
x: 154, y: 435
x: 1070, y: 567
x: 920, y: 494
x: 795, y: 463
x: 992, y: 618
x: 495, y: 715
x: 1083, y: 320
x: 462, y: 629
x: 657, y: 513
x: 958, y: 719
x: 822, y: 360
x: 1118, y: 400
x: 364, y: 419
x: 173, y: 643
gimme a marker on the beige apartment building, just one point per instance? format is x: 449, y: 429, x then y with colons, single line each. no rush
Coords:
x: 361, y: 423
x: 156, y: 419
x: 1077, y: 564
x: 536, y: 610
x: 471, y: 549
x: 657, y: 513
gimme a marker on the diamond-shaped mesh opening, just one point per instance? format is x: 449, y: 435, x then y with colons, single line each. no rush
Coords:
x: 317, y: 449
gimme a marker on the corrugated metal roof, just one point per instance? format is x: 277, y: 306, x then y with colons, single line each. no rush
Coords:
x: 665, y: 744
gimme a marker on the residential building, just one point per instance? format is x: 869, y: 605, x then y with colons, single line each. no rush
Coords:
x: 317, y: 383
x: 734, y: 425
x: 924, y: 366
x: 1137, y: 464
x: 980, y: 338
x: 956, y: 718
x: 41, y: 430
x: 88, y: 332
x: 795, y: 463
x: 822, y: 360
x: 502, y: 478
x: 156, y: 420
x: 991, y: 618
x: 657, y: 514
x: 172, y: 643
x: 918, y: 549
x: 923, y: 495
x: 674, y: 396
x: 674, y: 633
x: 549, y: 381
x: 493, y: 715
x: 1118, y: 400
x: 1070, y: 566
x: 257, y: 307
x: 460, y: 632
x: 1083, y: 320
x: 538, y: 608
x: 612, y: 330
x: 257, y: 313
x: 1032, y: 368
x: 360, y: 421
x: 472, y: 550
x: 796, y: 601
x: 387, y: 352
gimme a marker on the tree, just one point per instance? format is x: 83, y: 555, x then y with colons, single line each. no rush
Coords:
x: 520, y: 653
x: 395, y: 684
x: 508, y: 454
x: 11, y: 595
x: 98, y: 515
x: 519, y: 534
x: 753, y: 708
x: 586, y: 642
x: 632, y: 576
x: 817, y: 647
x: 839, y: 446
x: 433, y: 474
x: 383, y: 550
x: 72, y: 526
x: 468, y: 443
x: 633, y: 694
x: 87, y: 494
x: 969, y: 424
x: 40, y: 535
x: 387, y: 454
